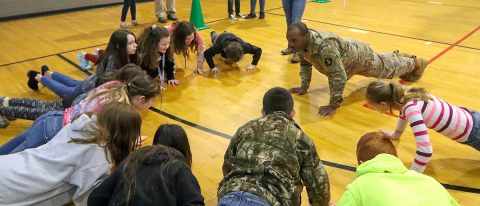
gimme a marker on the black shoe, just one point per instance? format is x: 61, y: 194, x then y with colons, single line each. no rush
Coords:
x: 251, y: 16
x: 231, y: 17
x: 239, y: 15
x: 45, y: 69
x: 3, y: 122
x: 162, y: 19
x: 32, y: 83
x: 212, y: 33
x: 172, y: 16
x: 262, y: 15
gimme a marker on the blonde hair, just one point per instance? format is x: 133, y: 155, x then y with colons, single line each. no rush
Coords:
x: 117, y: 93
x: 122, y: 92
x: 394, y: 93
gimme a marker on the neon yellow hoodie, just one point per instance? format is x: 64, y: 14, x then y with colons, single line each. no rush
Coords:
x: 385, y: 181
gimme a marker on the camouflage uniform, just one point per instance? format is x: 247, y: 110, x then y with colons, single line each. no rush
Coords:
x: 270, y: 157
x: 339, y: 59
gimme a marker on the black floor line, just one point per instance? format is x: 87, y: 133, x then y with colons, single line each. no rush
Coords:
x: 451, y: 5
x: 220, y: 134
x: 51, y: 55
x: 379, y: 32
x: 266, y: 11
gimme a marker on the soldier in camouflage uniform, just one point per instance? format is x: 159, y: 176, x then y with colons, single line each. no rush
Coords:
x: 270, y: 159
x: 339, y: 59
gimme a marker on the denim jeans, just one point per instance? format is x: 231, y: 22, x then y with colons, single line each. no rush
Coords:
x: 293, y: 10
x: 62, y: 85
x: 253, y: 3
x: 133, y: 9
x: 230, y: 6
x: 242, y: 199
x: 474, y: 137
x: 42, y: 131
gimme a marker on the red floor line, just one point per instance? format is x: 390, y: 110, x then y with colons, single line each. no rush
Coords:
x: 453, y: 45
x: 435, y: 58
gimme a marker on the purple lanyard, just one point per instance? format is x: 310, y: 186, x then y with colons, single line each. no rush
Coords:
x: 161, y: 72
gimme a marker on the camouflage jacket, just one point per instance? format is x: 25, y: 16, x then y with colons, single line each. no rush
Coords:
x: 271, y: 158
x: 337, y: 58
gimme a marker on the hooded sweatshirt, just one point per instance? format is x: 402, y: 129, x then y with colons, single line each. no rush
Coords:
x: 161, y: 179
x: 57, y: 172
x: 384, y: 180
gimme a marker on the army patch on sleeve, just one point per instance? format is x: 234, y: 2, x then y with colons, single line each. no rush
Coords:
x: 328, y: 62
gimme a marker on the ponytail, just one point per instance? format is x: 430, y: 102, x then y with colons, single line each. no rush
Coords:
x: 394, y: 93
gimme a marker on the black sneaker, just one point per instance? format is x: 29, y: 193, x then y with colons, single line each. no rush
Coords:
x: 172, y: 16
x: 45, y: 69
x: 162, y: 19
x: 212, y: 33
x: 32, y: 82
x: 239, y: 15
x: 251, y: 16
x: 262, y: 15
x: 3, y: 122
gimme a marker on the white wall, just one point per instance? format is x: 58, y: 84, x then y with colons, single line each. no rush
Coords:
x: 10, y: 8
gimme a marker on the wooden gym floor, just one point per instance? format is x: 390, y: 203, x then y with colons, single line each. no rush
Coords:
x: 212, y: 107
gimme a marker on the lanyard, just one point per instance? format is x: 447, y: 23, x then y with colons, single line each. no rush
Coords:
x: 161, y: 72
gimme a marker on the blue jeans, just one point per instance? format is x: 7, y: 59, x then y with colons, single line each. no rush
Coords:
x: 133, y: 9
x: 474, y: 137
x: 253, y: 3
x: 62, y: 85
x: 42, y: 131
x: 242, y: 199
x: 230, y: 6
x: 293, y: 10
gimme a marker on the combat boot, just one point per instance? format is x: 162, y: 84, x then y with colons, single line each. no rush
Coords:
x: 397, y: 52
x: 417, y: 73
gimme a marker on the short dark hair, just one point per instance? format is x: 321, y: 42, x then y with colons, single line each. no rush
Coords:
x: 302, y: 27
x: 372, y: 144
x: 277, y: 99
x: 234, y: 51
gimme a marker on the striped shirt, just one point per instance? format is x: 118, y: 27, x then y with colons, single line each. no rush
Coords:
x: 449, y: 120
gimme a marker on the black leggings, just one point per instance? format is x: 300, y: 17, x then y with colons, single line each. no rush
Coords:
x: 133, y: 9
x: 29, y: 108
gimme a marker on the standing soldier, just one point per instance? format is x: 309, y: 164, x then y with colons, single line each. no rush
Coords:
x: 270, y: 159
x: 170, y: 12
x: 339, y: 59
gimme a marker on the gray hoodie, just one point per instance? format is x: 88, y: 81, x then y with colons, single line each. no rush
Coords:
x: 57, y: 172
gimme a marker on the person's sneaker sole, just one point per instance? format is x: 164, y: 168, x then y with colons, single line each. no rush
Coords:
x: 32, y: 82
x: 3, y: 122
x: 44, y: 69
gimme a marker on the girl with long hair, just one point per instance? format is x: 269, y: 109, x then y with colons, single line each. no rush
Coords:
x: 121, y: 50
x: 78, y: 158
x: 155, y: 54
x: 422, y: 110
x: 166, y: 165
x: 140, y: 92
